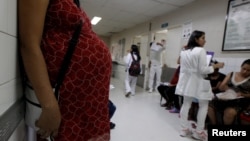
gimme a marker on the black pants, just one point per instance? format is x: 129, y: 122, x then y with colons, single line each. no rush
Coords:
x: 112, y: 109
x: 168, y: 93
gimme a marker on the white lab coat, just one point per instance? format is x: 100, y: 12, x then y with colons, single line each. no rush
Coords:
x: 194, y: 69
x: 191, y: 84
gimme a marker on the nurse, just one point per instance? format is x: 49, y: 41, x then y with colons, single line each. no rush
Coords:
x: 192, y: 85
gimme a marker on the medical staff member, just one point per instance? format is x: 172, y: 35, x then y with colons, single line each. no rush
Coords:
x: 156, y: 62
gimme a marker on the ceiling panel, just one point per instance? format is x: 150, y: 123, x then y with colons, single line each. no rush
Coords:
x: 118, y: 15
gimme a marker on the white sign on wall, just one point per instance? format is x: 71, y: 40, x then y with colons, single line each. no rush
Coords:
x: 186, y: 30
x: 237, y: 29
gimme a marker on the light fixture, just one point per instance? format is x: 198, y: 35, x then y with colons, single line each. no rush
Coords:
x: 95, y: 20
x: 162, y: 31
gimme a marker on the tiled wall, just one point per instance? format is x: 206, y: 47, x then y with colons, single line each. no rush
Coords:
x: 231, y: 64
x: 10, y: 87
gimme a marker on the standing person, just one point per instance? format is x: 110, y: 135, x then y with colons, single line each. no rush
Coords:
x: 130, y: 81
x: 156, y: 63
x: 46, y: 27
x: 191, y: 84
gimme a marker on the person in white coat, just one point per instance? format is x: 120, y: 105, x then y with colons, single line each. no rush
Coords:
x: 130, y: 81
x: 156, y: 62
x: 192, y: 85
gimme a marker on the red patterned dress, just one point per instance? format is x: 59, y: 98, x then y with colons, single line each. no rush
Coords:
x: 85, y: 91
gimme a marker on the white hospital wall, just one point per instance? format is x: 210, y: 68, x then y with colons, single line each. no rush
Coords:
x: 10, y: 87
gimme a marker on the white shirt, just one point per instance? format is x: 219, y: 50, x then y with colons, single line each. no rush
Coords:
x: 156, y: 57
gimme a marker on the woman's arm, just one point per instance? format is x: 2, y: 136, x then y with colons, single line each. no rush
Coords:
x: 223, y: 85
x: 203, y: 66
x: 31, y: 21
x: 217, y: 86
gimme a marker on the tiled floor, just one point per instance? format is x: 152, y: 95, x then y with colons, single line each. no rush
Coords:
x: 140, y: 117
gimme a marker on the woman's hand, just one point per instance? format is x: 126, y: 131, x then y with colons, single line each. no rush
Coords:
x: 49, y: 121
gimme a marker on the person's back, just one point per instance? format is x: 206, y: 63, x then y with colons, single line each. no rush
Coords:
x: 131, y: 77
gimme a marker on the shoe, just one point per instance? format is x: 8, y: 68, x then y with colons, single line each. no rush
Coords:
x: 133, y: 94
x: 169, y: 106
x: 174, y: 110
x: 164, y: 105
x: 202, y: 136
x: 150, y: 91
x: 127, y: 94
x: 185, y: 132
x: 112, y: 125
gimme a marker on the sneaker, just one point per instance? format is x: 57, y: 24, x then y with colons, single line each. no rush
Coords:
x: 112, y: 125
x: 150, y: 91
x: 202, y: 136
x: 174, y: 110
x: 169, y: 107
x: 164, y: 105
x: 128, y: 94
x: 185, y: 132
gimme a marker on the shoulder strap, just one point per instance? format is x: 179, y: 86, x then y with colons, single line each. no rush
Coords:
x: 231, y: 74
x: 67, y: 59
x: 132, y: 56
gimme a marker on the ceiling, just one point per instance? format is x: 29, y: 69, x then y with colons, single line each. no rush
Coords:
x: 118, y: 15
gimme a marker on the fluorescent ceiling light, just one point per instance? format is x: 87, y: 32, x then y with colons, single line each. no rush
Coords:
x: 95, y: 20
x: 162, y: 31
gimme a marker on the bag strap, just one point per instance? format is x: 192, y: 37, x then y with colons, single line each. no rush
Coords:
x: 132, y: 56
x: 67, y: 59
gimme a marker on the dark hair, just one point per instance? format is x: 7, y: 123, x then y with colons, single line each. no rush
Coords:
x: 134, y: 49
x: 246, y: 62
x: 215, y: 62
x: 150, y: 44
x: 192, y: 39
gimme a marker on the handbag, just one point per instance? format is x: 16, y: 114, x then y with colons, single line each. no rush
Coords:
x: 245, y: 115
x: 33, y: 108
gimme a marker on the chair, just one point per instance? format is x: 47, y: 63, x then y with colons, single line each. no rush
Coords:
x: 166, y: 76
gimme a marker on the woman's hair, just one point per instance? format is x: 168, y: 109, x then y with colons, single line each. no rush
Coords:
x: 192, y: 39
x: 246, y: 62
x: 134, y: 49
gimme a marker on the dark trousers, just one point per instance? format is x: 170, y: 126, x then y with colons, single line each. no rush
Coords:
x: 168, y: 93
x: 112, y: 109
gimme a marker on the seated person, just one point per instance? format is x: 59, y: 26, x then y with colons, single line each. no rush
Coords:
x: 168, y: 92
x: 215, y: 80
x: 239, y: 83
